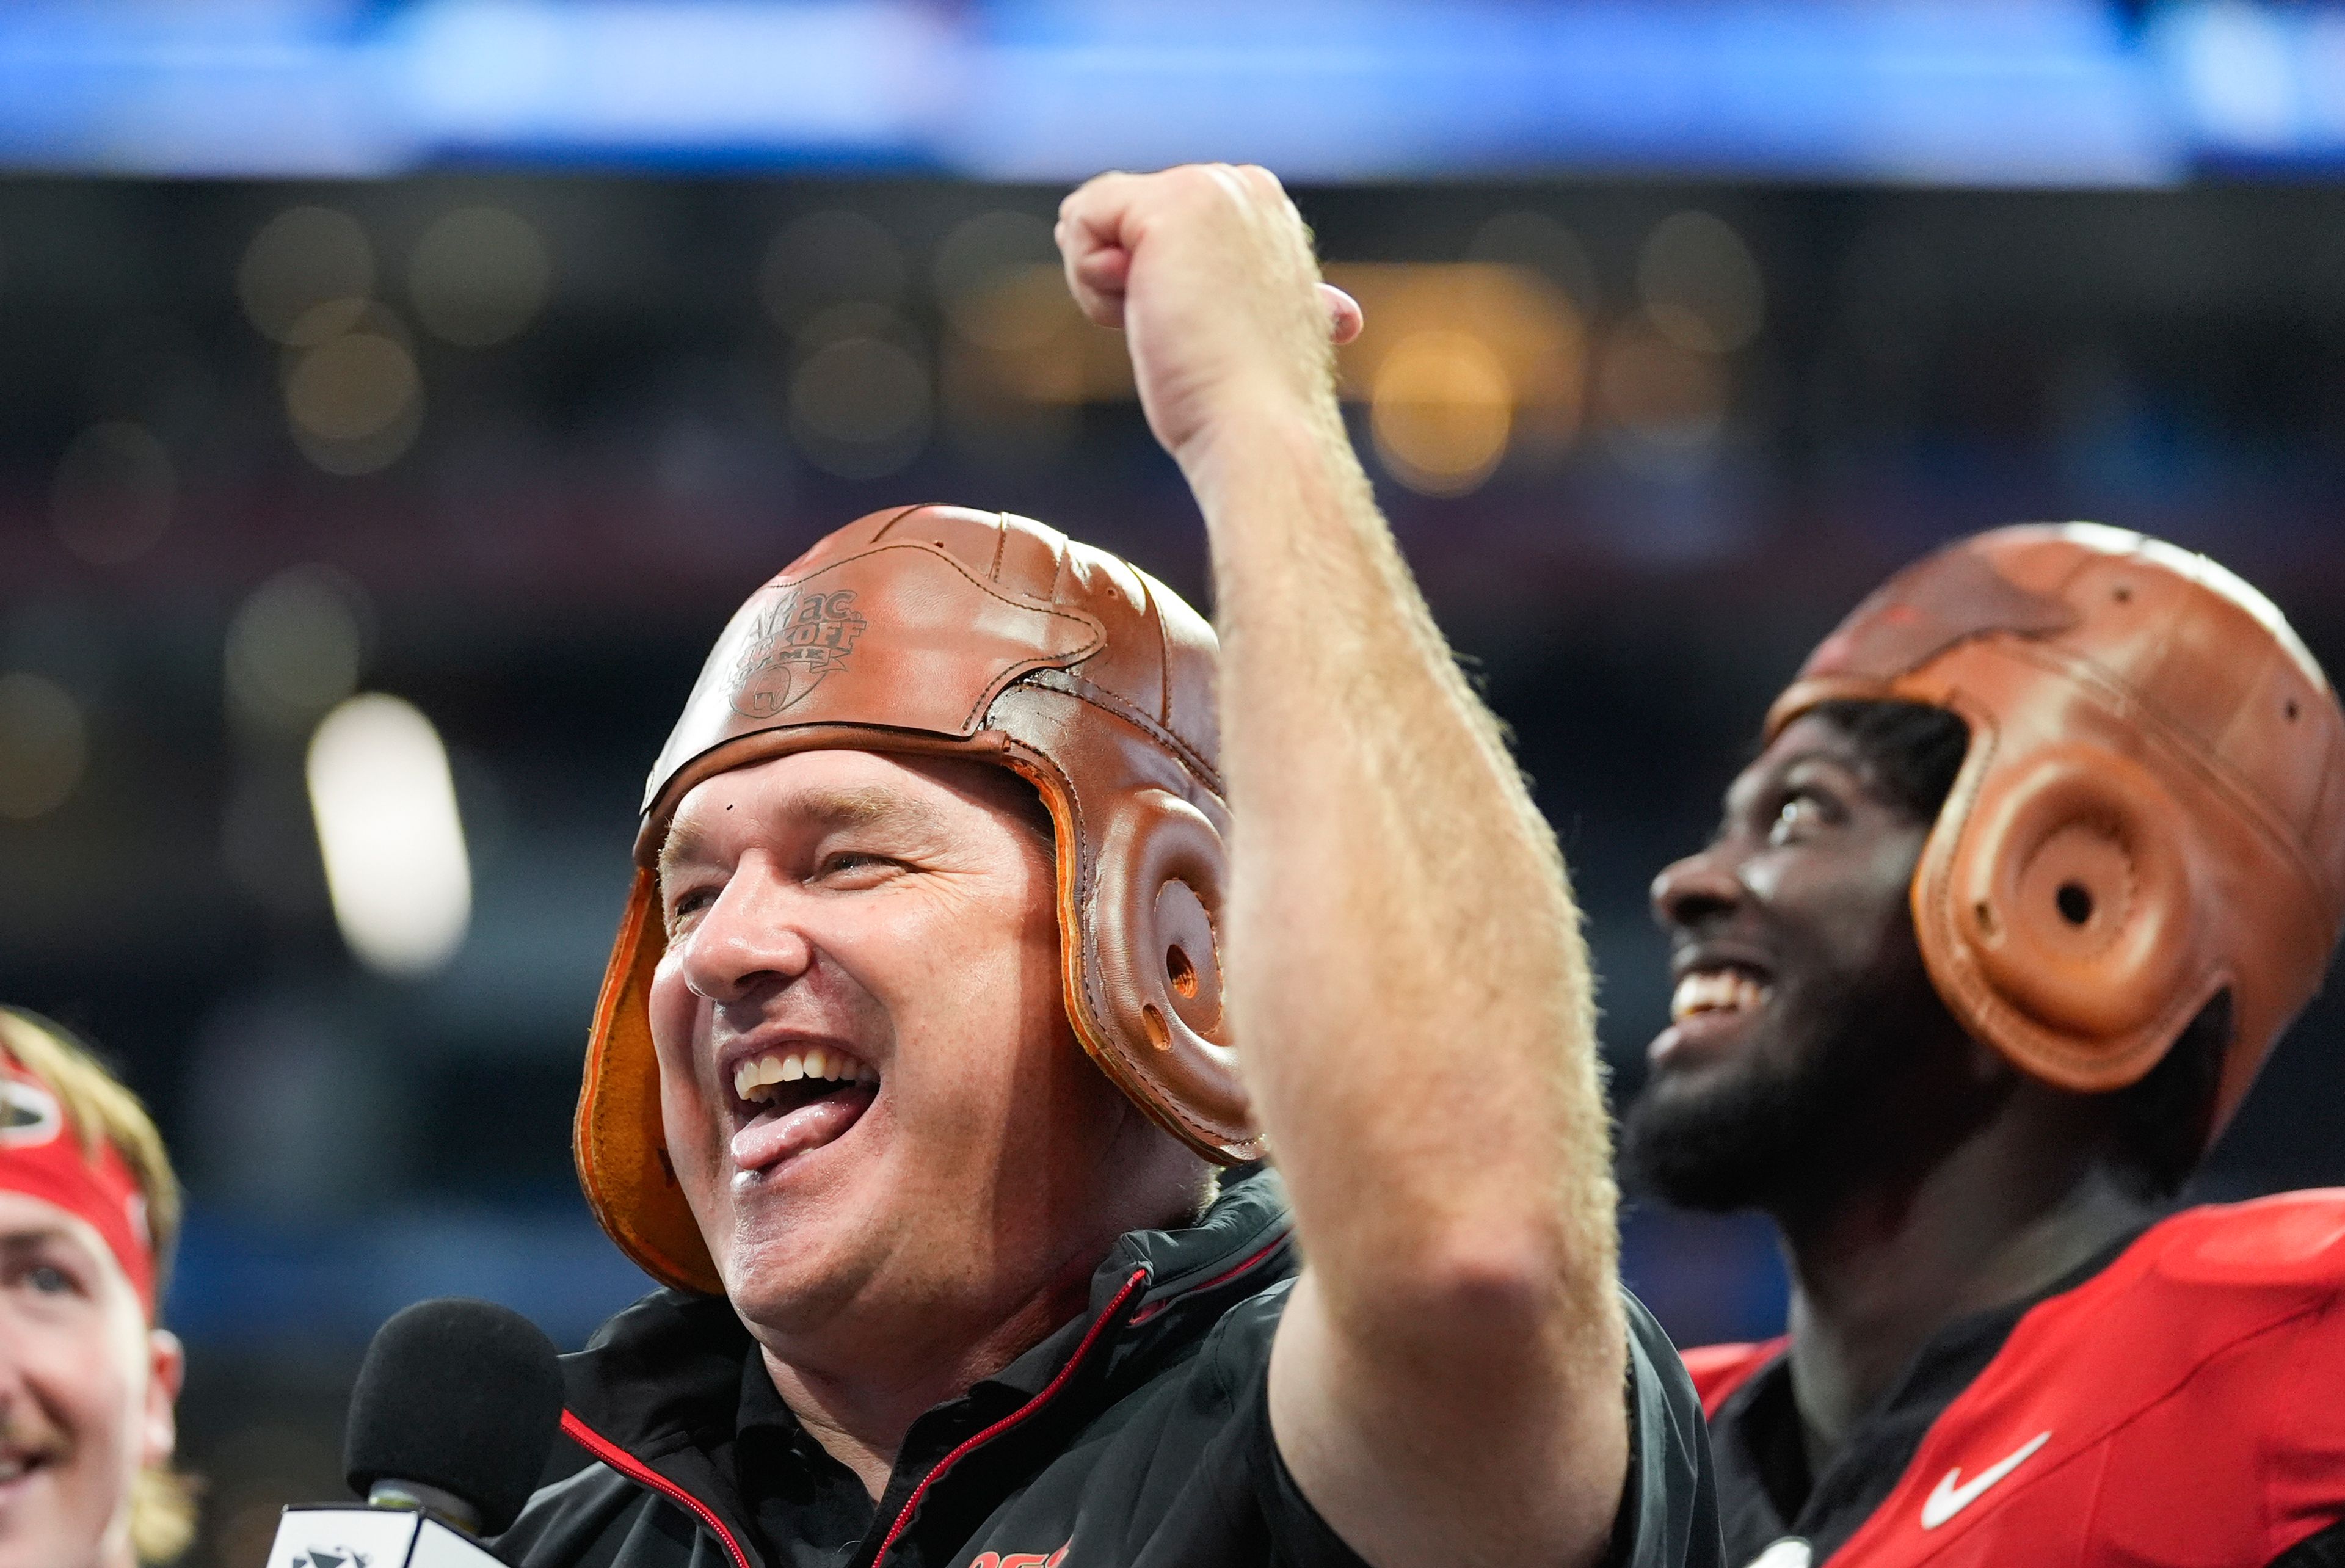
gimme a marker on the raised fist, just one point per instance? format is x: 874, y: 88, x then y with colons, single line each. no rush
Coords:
x: 1208, y: 269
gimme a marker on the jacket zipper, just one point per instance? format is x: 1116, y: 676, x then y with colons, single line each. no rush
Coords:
x: 1049, y: 1391
x: 1214, y: 1283
x: 628, y: 1465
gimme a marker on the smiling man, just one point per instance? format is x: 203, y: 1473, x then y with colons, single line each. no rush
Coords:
x: 2044, y: 849
x: 986, y: 908
x: 88, y: 1207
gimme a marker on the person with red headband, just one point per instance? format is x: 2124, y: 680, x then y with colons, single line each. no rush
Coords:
x: 2044, y: 849
x: 88, y: 1211
x: 986, y: 907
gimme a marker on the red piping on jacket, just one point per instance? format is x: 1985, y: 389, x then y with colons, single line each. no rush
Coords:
x: 620, y: 1459
x: 628, y: 1465
x: 1050, y: 1390
x: 1222, y: 1278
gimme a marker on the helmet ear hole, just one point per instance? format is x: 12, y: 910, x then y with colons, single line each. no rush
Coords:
x: 1180, y: 970
x: 1156, y: 979
x: 2071, y: 903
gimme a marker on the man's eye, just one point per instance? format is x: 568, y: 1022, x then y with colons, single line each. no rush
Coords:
x: 1799, y: 813
x: 853, y: 862
x: 48, y: 1280
x: 691, y: 901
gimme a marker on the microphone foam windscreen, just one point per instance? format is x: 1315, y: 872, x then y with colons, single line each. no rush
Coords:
x: 465, y: 1396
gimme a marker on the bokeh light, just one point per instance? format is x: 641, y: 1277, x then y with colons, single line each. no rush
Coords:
x: 1440, y: 412
x: 860, y: 407
x: 44, y: 746
x: 113, y: 493
x: 1018, y: 358
x: 355, y: 398
x: 1701, y: 284
x: 1460, y: 364
x: 295, y: 648
x: 392, y: 840
x: 302, y: 258
x: 829, y: 258
x: 979, y: 255
x: 1667, y: 402
x: 478, y: 276
x: 1019, y: 310
x: 1538, y: 243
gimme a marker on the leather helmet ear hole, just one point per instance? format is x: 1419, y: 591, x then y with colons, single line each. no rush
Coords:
x: 1183, y: 973
x: 2075, y: 903
x: 1154, y: 1022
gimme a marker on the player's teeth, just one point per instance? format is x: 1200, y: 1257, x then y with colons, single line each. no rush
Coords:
x: 818, y: 1064
x: 1707, y: 990
x: 1682, y: 1004
x: 792, y: 1068
x: 744, y: 1079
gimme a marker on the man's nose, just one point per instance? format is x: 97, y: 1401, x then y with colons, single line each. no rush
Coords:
x: 750, y: 938
x: 1700, y: 888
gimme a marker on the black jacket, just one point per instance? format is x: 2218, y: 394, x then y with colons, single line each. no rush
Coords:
x: 1138, y: 1434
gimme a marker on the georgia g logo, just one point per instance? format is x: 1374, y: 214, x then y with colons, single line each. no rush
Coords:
x: 28, y: 1115
x: 791, y: 647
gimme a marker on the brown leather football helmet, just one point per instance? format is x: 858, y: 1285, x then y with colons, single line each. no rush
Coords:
x: 939, y: 630
x: 2151, y: 809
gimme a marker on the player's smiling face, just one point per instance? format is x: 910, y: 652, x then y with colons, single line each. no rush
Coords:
x: 873, y: 1098
x: 1796, y: 976
x: 86, y: 1391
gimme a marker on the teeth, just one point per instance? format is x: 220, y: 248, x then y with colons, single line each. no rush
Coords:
x: 1715, y: 990
x: 753, y: 1079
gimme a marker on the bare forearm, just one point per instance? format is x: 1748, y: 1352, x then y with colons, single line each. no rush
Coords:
x: 1405, y: 957
x: 1404, y: 972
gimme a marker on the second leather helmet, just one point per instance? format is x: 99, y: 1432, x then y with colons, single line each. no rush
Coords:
x: 2151, y: 810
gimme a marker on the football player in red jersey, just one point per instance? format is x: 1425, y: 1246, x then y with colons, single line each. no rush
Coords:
x: 2045, y: 849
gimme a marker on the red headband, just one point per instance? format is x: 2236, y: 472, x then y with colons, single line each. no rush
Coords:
x: 40, y: 1158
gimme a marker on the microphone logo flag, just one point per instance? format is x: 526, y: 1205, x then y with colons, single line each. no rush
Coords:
x: 358, y: 1536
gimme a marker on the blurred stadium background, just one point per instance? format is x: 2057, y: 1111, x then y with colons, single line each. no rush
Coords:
x: 395, y: 399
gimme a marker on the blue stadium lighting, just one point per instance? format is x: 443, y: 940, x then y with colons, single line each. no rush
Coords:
x: 1997, y: 92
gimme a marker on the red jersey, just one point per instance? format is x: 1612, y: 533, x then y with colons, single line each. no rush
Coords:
x: 2185, y: 1405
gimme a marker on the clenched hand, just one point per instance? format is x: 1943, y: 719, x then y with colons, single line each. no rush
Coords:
x: 1208, y: 269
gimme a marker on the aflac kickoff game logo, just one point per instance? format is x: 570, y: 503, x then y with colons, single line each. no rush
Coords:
x: 791, y: 647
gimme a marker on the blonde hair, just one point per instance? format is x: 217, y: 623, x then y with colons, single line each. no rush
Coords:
x: 100, y: 1110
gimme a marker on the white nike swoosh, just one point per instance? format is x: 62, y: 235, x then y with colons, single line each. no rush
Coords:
x: 1953, y: 1495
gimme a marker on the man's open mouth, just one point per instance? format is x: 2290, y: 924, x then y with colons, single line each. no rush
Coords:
x: 796, y: 1098
x: 1733, y: 989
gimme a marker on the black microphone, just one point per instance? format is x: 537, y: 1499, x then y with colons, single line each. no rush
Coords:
x: 456, y: 1407
x: 452, y: 1423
